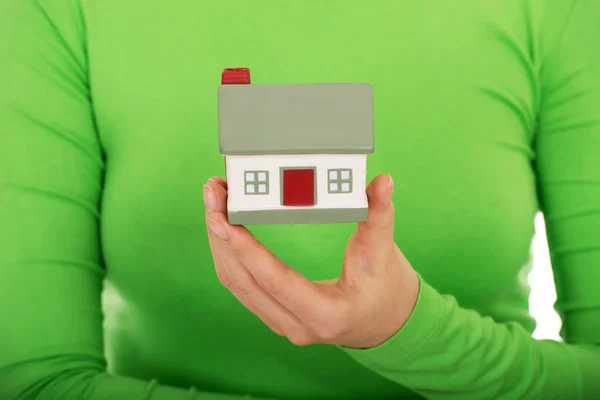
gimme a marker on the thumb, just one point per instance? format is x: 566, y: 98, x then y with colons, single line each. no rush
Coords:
x: 379, y: 226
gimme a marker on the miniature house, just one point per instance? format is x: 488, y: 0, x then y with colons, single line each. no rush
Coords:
x: 294, y: 153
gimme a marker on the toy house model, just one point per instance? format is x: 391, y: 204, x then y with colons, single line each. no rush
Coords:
x: 294, y: 153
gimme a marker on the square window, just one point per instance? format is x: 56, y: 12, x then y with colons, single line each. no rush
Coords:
x: 256, y: 182
x: 339, y: 180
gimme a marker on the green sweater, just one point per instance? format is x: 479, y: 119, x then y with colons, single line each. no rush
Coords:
x: 486, y: 113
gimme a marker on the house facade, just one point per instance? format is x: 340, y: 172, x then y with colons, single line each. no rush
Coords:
x: 296, y: 153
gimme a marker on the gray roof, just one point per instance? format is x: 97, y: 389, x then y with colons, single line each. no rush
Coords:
x: 325, y: 118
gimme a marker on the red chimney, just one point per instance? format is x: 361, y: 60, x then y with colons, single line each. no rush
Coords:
x: 235, y: 76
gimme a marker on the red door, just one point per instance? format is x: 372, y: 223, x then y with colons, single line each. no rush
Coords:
x: 298, y: 187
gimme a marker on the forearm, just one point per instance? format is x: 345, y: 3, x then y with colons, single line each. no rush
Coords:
x: 73, y: 378
x: 447, y: 352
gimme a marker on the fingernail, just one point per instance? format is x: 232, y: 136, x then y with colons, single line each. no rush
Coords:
x: 389, y: 192
x: 210, y: 200
x: 217, y: 228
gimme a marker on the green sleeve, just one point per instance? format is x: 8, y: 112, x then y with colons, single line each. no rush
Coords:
x: 51, y: 171
x: 447, y: 352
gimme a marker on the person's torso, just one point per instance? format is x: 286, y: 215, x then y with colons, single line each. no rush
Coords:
x: 455, y: 102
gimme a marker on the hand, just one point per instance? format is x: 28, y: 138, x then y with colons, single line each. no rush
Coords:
x: 367, y: 305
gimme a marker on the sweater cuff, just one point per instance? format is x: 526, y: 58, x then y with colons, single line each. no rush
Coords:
x: 417, y: 335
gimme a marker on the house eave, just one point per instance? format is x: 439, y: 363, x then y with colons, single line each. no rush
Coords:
x: 294, y: 151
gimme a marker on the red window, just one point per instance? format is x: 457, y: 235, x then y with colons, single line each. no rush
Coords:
x: 298, y: 187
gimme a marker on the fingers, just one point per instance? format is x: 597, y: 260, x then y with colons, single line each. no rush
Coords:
x: 219, y: 181
x: 290, y: 288
x: 234, y: 275
x: 215, y: 201
x: 243, y: 286
x: 378, y: 229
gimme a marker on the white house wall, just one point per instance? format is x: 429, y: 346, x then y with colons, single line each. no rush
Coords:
x: 237, y: 165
